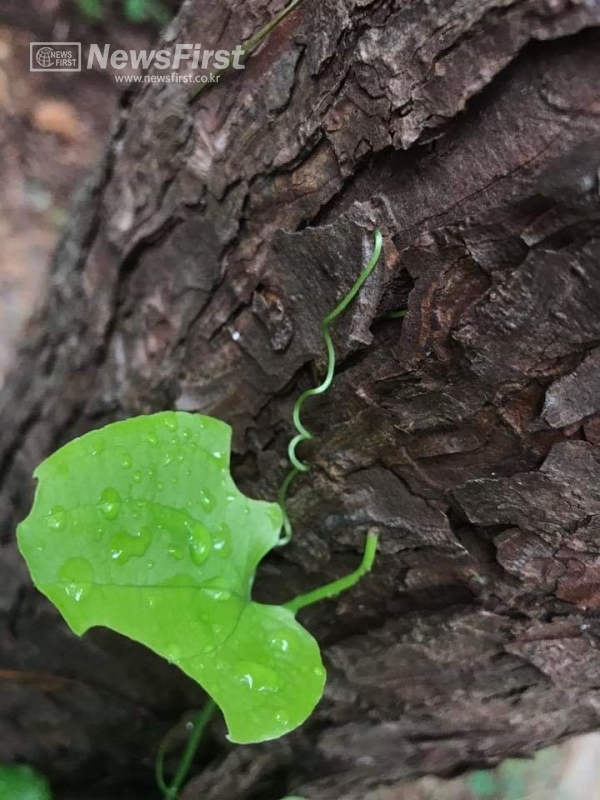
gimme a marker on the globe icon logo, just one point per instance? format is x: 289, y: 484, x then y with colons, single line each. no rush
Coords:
x: 45, y: 56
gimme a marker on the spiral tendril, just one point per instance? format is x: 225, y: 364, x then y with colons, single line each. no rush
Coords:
x: 304, y: 434
x: 171, y: 791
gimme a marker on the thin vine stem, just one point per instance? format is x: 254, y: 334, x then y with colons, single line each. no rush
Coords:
x: 199, y: 723
x: 248, y: 47
x: 342, y: 584
x: 304, y: 434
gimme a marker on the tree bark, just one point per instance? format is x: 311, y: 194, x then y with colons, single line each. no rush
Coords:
x: 198, y: 264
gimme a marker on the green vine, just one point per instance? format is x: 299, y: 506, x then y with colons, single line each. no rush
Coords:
x: 171, y: 792
x: 248, y: 47
x: 139, y: 527
x: 304, y: 434
x: 198, y: 726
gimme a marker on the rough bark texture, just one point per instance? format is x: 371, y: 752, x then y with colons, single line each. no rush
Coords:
x: 469, y: 433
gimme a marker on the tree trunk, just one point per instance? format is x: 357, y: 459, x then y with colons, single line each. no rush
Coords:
x: 198, y: 264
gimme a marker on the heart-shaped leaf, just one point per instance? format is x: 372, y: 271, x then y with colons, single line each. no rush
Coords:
x: 140, y: 528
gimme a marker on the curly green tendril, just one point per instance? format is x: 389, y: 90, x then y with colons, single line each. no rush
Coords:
x: 304, y: 434
x: 201, y: 720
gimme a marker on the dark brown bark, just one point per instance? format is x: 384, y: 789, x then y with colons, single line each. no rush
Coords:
x: 468, y: 434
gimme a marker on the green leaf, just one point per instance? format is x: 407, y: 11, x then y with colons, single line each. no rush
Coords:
x: 136, y: 10
x: 91, y: 8
x: 144, y: 10
x: 482, y: 783
x: 140, y: 528
x: 20, y: 782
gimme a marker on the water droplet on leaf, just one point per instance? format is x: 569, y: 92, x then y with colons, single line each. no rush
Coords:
x: 207, y: 500
x: 143, y: 536
x: 110, y: 503
x: 257, y: 677
x: 97, y: 445
x: 175, y: 552
x: 125, y: 547
x: 220, y: 595
x: 173, y: 654
x: 200, y: 541
x: 247, y: 679
x: 222, y: 540
x: 57, y: 518
x: 76, y: 575
x: 279, y: 642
